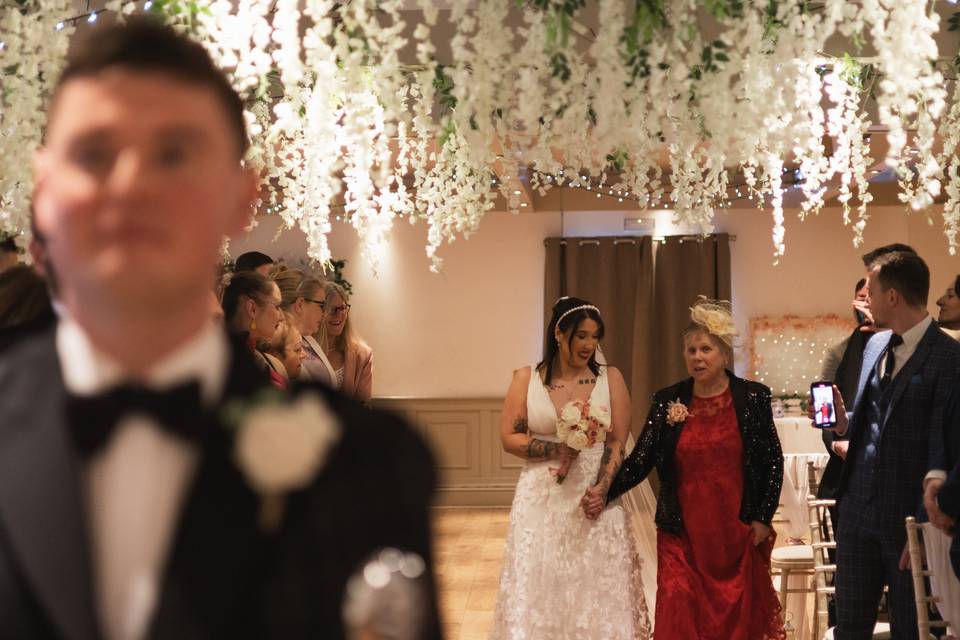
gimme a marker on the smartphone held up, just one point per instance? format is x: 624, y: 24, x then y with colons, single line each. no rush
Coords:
x: 824, y: 407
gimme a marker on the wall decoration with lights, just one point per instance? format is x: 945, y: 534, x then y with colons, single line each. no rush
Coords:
x: 787, y: 353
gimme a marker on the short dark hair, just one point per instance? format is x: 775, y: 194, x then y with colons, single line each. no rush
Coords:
x: 907, y: 273
x: 871, y: 256
x: 145, y: 44
x: 251, y: 261
x: 23, y: 296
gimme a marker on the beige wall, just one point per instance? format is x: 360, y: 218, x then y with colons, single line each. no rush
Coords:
x: 460, y: 333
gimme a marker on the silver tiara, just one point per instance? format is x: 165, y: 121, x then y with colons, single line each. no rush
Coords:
x: 580, y: 308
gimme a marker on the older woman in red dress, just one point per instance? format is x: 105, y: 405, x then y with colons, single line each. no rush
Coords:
x: 714, y: 444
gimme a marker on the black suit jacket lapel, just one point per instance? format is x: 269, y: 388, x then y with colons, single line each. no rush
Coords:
x: 41, y: 507
x: 910, y: 368
x: 218, y: 552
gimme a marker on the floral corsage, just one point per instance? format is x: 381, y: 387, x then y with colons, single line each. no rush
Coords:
x: 677, y: 412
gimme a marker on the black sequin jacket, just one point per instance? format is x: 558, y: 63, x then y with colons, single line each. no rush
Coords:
x: 762, y: 455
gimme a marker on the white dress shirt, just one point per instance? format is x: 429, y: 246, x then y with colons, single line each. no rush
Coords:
x: 135, y: 487
x: 911, y: 338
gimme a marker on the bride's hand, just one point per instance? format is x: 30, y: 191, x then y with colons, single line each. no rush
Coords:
x: 593, y: 501
x: 565, y: 455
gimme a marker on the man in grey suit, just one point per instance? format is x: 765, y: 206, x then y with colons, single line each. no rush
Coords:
x: 896, y: 430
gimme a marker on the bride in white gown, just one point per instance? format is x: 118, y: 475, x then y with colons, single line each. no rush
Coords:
x: 565, y: 577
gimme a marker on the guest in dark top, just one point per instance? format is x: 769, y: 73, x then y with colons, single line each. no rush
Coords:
x: 251, y: 309
x: 24, y: 305
x: 845, y: 376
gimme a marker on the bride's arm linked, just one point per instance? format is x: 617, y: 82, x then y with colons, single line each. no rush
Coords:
x: 614, y: 446
x: 639, y: 463
x: 514, y: 430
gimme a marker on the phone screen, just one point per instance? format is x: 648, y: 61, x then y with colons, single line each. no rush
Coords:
x: 824, y: 411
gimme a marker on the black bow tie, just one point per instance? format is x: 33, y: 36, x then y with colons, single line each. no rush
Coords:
x: 92, y: 419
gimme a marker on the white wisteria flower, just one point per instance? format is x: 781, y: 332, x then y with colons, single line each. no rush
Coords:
x: 650, y: 106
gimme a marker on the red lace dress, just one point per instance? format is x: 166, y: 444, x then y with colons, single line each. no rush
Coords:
x: 712, y: 582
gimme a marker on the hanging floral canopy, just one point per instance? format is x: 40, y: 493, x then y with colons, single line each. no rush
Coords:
x: 374, y: 110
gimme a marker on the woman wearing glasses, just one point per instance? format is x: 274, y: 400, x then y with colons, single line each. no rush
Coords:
x: 304, y: 299
x: 351, y: 360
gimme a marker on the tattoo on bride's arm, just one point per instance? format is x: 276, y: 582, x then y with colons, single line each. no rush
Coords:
x: 520, y: 425
x: 541, y: 449
x: 609, y: 465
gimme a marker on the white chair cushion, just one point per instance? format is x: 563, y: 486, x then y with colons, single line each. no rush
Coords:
x: 793, y: 553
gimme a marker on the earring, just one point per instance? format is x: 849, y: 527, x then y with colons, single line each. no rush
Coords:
x: 253, y: 326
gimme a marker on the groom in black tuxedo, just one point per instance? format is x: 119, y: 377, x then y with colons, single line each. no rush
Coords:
x: 152, y: 484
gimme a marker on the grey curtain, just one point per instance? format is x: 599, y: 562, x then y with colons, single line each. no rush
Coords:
x: 644, y: 290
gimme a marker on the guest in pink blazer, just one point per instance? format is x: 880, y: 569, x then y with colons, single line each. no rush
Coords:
x: 351, y: 360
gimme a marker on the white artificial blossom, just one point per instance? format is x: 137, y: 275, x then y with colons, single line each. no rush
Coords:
x: 33, y: 46
x: 646, y: 104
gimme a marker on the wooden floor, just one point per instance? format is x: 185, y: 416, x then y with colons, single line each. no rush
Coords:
x: 469, y: 550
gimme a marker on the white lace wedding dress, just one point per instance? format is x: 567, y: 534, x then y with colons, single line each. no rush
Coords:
x: 565, y: 577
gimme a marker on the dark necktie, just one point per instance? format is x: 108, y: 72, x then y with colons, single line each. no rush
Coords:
x: 92, y: 419
x: 890, y: 360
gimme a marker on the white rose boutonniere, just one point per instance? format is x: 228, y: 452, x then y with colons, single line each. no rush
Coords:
x: 281, y: 447
x: 677, y: 412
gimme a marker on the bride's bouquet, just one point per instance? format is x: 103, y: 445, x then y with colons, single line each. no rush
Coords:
x: 580, y: 426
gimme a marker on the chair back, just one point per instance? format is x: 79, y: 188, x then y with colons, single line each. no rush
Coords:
x: 920, y: 575
x: 821, y: 539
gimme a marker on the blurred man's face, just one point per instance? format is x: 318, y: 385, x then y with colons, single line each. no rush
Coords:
x: 138, y: 183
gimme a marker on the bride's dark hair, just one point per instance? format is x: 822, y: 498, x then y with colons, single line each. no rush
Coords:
x: 568, y: 325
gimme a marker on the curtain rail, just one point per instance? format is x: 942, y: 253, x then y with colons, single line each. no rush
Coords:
x: 682, y: 238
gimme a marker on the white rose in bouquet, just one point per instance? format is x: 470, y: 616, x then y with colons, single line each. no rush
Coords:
x: 578, y: 440
x: 570, y: 414
x: 601, y: 415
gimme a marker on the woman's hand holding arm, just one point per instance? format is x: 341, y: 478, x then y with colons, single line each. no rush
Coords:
x: 613, y: 451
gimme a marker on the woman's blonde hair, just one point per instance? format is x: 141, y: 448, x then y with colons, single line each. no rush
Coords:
x: 348, y: 337
x: 715, y: 318
x: 295, y: 284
